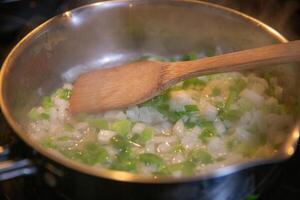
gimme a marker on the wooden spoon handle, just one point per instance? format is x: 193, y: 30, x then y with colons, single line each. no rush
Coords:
x: 236, y: 61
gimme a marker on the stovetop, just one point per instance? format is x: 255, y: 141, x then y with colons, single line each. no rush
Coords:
x: 18, y: 17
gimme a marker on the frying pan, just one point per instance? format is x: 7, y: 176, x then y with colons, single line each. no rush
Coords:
x: 105, y: 34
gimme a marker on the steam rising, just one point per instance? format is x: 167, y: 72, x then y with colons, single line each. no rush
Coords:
x: 281, y: 15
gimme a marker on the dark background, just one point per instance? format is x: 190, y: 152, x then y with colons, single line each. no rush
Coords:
x: 18, y: 17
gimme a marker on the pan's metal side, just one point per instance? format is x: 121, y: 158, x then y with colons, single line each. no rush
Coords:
x: 82, y: 39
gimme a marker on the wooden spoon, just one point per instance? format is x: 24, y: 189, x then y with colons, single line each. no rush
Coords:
x: 134, y: 83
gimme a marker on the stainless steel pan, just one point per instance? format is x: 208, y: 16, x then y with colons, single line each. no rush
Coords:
x: 108, y: 33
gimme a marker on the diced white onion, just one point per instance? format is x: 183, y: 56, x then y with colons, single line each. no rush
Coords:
x: 104, y: 136
x: 252, y: 96
x: 220, y: 127
x: 179, y: 99
x: 114, y: 114
x: 216, y: 147
x: 138, y: 127
x: 178, y: 128
x: 145, y: 114
x: 163, y: 147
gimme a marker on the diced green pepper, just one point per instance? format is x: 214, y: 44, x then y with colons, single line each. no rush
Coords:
x: 189, y: 124
x: 220, y: 105
x: 175, y: 116
x: 142, y: 138
x: 232, y: 145
x: 208, y: 130
x: 63, y: 93
x: 195, y: 82
x: 230, y: 115
x: 238, y: 85
x: 122, y: 127
x: 191, y: 108
x: 92, y: 153
x: 64, y: 138
x: 34, y: 115
x: 230, y: 99
x: 158, y: 100
x: 120, y: 143
x: 48, y: 142
x: 152, y: 159
x: 45, y: 116
x: 189, y: 56
x: 271, y: 87
x: 225, y: 111
x: 187, y: 168
x: 98, y: 124
x: 69, y: 127
x: 172, y: 59
x: 271, y: 91
x: 162, y: 172
x: 135, y: 138
x: 200, y: 156
x: 235, y: 89
x: 72, y: 154
x: 146, y: 135
x: 124, y: 162
x: 161, y: 104
x: 178, y: 148
x: 163, y: 108
x: 206, y: 134
x: 47, y: 102
x: 175, y: 88
x: 203, y: 123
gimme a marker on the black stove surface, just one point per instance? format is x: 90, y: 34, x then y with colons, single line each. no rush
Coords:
x: 18, y: 17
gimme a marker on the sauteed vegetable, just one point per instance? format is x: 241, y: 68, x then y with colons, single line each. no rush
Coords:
x: 200, y: 124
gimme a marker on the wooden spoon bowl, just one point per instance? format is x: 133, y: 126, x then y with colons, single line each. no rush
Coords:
x: 134, y: 83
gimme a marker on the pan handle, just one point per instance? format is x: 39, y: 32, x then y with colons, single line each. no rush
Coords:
x: 10, y: 168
